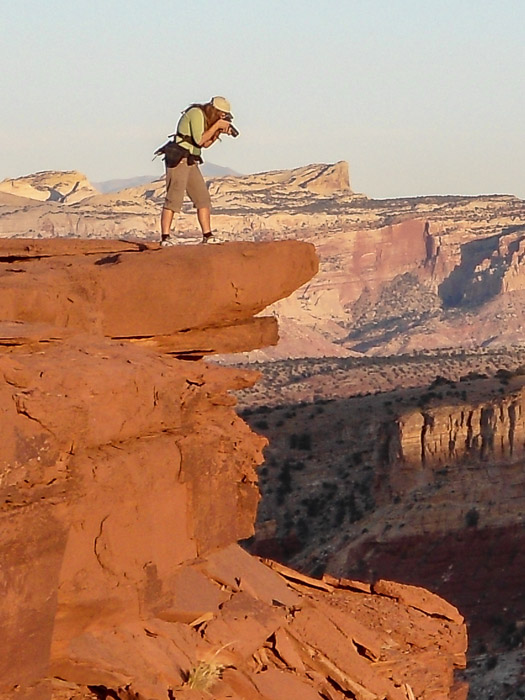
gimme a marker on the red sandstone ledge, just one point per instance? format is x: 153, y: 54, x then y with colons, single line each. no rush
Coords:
x: 127, y: 479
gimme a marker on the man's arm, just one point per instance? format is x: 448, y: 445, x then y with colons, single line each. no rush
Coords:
x: 211, y: 140
x: 212, y: 134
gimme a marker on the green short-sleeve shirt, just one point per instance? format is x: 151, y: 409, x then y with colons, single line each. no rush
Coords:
x: 191, y: 124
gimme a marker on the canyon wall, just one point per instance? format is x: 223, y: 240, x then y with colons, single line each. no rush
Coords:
x: 449, y: 504
x: 423, y: 484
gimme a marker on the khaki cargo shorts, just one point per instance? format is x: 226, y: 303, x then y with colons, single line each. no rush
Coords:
x: 185, y: 178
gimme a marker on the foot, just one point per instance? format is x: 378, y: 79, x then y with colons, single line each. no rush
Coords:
x: 211, y: 237
x: 167, y: 241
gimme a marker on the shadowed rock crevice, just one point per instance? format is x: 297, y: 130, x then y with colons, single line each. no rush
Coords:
x: 480, y: 274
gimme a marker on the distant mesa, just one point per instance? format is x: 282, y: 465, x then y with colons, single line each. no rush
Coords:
x: 116, y: 185
x: 65, y: 187
x: 212, y: 170
x: 72, y: 187
x: 107, y: 186
x: 317, y: 178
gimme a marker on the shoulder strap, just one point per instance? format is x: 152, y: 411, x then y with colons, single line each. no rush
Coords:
x: 185, y: 138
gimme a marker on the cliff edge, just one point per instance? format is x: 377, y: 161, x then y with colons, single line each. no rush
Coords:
x: 127, y: 480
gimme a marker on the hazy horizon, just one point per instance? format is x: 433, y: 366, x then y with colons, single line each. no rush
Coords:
x: 420, y: 99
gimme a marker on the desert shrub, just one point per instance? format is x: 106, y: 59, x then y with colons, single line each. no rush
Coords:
x: 319, y: 570
x: 285, y: 479
x: 340, y: 512
x: 473, y: 375
x: 492, y: 662
x: 472, y: 518
x: 303, y: 529
x: 511, y: 636
x: 313, y: 505
x: 427, y: 396
x: 304, y: 441
x: 439, y: 381
x: 204, y: 675
x: 301, y: 442
x: 354, y: 513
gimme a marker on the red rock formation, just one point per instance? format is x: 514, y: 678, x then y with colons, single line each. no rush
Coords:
x: 123, y: 294
x: 127, y: 480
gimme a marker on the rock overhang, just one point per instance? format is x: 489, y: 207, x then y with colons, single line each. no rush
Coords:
x: 166, y: 298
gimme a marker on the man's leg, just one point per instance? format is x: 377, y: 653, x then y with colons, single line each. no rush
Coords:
x: 199, y: 195
x: 176, y: 181
x: 204, y: 217
x: 166, y: 218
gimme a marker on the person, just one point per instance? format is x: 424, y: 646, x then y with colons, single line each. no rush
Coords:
x: 199, y: 127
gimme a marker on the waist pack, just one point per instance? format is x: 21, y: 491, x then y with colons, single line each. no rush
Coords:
x: 173, y: 153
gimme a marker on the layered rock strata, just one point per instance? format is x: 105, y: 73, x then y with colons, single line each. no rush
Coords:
x: 430, y: 444
x: 127, y: 290
x: 396, y: 275
x: 127, y: 480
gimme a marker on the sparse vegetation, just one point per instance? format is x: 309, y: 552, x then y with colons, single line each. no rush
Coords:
x: 204, y: 675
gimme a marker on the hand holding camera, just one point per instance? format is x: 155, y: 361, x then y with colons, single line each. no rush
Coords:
x: 228, y: 127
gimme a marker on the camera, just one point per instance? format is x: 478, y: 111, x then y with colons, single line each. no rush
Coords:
x: 233, y: 131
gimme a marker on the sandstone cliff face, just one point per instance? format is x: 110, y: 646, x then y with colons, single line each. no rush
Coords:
x: 449, y: 503
x: 127, y: 479
x: 444, y: 447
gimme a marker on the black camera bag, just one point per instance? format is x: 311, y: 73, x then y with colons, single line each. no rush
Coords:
x: 172, y: 152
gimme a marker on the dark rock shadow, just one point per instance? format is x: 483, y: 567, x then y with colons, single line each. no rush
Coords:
x: 468, y: 287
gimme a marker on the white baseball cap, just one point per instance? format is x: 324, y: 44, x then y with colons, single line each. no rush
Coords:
x: 221, y: 103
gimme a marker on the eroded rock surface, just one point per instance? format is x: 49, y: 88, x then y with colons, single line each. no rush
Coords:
x: 127, y: 479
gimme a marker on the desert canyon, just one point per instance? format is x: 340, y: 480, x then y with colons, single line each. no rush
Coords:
x: 365, y: 376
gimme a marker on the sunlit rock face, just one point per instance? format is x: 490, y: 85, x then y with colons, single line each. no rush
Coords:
x: 127, y: 479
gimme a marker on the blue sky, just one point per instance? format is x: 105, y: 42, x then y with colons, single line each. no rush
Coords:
x: 419, y: 96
